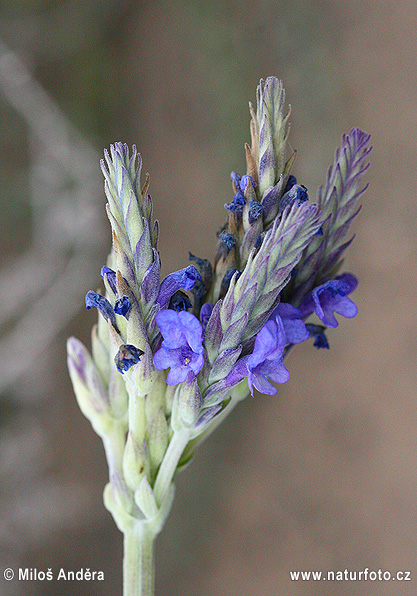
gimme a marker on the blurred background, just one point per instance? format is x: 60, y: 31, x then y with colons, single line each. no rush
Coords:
x: 321, y: 476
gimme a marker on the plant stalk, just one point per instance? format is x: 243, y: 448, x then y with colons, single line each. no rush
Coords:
x: 138, y: 561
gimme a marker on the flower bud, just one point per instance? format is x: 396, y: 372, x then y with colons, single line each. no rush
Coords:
x: 100, y: 353
x: 156, y: 435
x: 117, y: 394
x: 122, y: 495
x: 135, y: 462
x: 89, y: 388
x: 189, y: 402
x: 145, y: 499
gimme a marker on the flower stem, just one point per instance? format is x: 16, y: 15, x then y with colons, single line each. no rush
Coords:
x: 169, y: 464
x: 138, y: 562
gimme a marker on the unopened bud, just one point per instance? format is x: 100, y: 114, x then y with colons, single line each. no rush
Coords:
x: 135, y: 462
x: 89, y: 388
x: 156, y: 435
x: 190, y: 402
x: 145, y: 499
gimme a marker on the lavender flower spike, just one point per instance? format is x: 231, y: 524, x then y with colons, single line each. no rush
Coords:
x: 182, y: 348
x: 337, y: 201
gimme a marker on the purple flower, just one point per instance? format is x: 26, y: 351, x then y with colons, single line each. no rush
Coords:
x: 204, y: 267
x: 297, y: 192
x: 290, y: 183
x: 227, y: 278
x: 122, y: 306
x: 179, y: 301
x: 184, y: 279
x: 331, y: 297
x: 228, y: 239
x: 244, y: 181
x: 235, y: 178
x: 111, y: 277
x: 200, y: 289
x: 95, y: 300
x: 255, y: 211
x: 237, y: 204
x: 182, y: 347
x: 241, y: 181
x: 266, y: 360
x: 294, y: 327
x: 126, y: 357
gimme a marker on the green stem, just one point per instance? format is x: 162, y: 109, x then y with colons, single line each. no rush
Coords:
x: 169, y: 464
x: 138, y: 562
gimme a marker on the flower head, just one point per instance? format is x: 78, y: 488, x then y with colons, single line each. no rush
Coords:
x: 182, y: 347
x: 266, y: 360
x: 276, y: 251
x: 331, y: 297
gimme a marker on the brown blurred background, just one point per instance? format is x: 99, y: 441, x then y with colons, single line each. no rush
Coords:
x: 322, y: 476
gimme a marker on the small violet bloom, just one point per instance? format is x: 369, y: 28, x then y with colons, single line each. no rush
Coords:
x: 290, y: 182
x: 95, y: 300
x: 228, y: 239
x: 179, y: 301
x: 182, y: 347
x: 242, y: 181
x: 111, y: 277
x: 122, y: 306
x: 294, y: 327
x: 266, y: 360
x: 331, y: 297
x: 255, y: 211
x: 237, y: 204
x: 184, y: 279
x: 126, y: 357
x: 227, y: 278
x: 297, y: 193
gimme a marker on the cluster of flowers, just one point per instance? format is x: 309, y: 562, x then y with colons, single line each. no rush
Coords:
x: 182, y: 349
x: 168, y: 354
x: 183, y: 332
